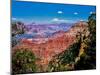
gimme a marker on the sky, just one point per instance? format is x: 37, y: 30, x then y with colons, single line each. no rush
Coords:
x: 38, y: 12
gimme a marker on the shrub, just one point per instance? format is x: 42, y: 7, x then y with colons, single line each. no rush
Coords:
x: 23, y: 61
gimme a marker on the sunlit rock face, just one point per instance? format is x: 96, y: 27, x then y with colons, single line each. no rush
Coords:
x: 45, y: 48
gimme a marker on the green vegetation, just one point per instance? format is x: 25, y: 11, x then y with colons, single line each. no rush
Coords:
x: 65, y: 60
x: 14, y: 42
x: 23, y: 61
x: 81, y: 55
x: 88, y: 58
x: 70, y: 54
x: 16, y: 30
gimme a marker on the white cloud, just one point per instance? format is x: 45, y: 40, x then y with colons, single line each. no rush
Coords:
x: 61, y: 20
x: 58, y: 20
x: 60, y: 12
x: 92, y: 12
x: 55, y: 19
x: 75, y: 13
x: 81, y: 20
x: 14, y: 18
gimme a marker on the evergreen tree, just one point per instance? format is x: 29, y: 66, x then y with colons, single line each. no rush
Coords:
x: 23, y: 61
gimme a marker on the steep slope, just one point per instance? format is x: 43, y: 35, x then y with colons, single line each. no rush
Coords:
x: 45, y: 48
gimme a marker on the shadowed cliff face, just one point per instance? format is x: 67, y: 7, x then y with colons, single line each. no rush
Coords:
x: 46, y: 48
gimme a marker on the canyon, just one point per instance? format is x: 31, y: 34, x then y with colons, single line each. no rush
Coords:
x: 45, y: 48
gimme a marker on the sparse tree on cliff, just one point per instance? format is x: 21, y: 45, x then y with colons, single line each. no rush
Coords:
x: 23, y: 61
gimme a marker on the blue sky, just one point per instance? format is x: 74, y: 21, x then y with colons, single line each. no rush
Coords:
x: 49, y: 12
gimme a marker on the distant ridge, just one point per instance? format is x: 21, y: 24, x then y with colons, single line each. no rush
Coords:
x: 46, y: 48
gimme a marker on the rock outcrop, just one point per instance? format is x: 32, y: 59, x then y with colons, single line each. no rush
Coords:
x: 46, y: 48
